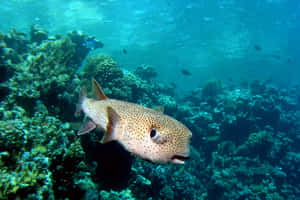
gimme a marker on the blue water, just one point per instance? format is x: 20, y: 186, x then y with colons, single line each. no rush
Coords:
x: 213, y: 39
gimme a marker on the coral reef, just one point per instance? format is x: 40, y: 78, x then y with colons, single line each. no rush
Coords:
x: 122, y: 84
x: 145, y: 72
x: 30, y: 145
x: 211, y: 89
x: 252, y: 137
x: 38, y: 151
x: 48, y: 73
x: 37, y: 34
x: 104, y: 69
x: 244, y: 146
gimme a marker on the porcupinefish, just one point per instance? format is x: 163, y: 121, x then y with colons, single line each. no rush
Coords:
x: 147, y: 133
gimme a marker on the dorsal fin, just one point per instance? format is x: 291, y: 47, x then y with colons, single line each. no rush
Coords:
x: 113, y: 120
x: 98, y: 92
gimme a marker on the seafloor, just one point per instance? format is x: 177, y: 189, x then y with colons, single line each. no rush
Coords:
x: 245, y: 141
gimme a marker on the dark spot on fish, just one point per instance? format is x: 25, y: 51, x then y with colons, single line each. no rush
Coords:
x: 124, y: 51
x: 257, y: 47
x: 186, y: 72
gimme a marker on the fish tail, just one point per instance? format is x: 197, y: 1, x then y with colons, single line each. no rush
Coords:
x: 82, y: 96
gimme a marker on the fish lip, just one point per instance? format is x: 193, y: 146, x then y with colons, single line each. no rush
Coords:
x: 180, y: 158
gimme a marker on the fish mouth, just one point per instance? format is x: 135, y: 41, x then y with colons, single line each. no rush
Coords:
x: 179, y: 158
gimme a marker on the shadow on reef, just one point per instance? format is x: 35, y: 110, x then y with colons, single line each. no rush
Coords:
x: 63, y: 169
x: 113, y: 162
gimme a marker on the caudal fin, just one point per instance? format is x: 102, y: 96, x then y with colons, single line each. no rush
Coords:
x: 82, y: 96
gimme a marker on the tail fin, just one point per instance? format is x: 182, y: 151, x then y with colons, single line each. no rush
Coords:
x: 82, y: 96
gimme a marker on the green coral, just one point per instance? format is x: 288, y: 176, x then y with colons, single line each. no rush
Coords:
x: 25, y: 179
x: 48, y: 71
x: 113, y: 80
x: 39, y: 75
x: 104, y: 69
x: 48, y: 74
x: 113, y: 195
x: 24, y: 169
x: 30, y: 145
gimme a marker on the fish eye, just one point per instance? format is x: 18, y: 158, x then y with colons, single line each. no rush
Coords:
x: 156, y: 137
x: 152, y: 133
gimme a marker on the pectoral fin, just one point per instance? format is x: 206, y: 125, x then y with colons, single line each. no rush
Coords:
x: 87, y: 126
x: 113, y: 120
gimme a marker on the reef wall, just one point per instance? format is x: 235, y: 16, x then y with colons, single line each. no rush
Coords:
x: 245, y: 137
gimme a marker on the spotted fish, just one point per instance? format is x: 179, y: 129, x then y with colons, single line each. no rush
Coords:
x: 147, y: 133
